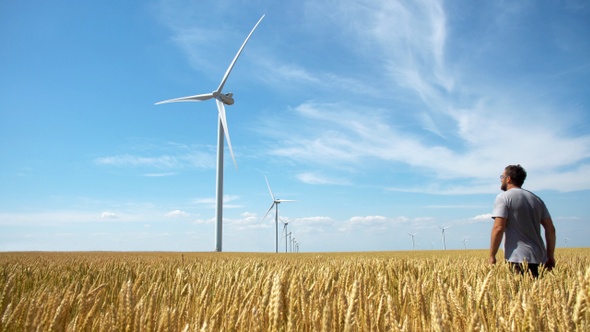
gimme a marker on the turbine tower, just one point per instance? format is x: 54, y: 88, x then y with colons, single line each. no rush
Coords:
x: 412, y: 235
x: 221, y: 99
x: 275, y: 204
x: 443, y: 237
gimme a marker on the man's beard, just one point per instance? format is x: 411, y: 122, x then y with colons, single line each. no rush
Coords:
x: 504, y: 186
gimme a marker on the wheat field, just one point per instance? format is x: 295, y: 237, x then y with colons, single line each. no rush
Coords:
x: 371, y: 291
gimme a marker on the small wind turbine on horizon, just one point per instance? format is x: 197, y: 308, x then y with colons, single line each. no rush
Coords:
x: 295, y: 245
x: 285, y: 232
x: 465, y: 243
x: 412, y: 235
x: 288, y: 236
x: 275, y: 204
x: 443, y: 237
x: 221, y: 100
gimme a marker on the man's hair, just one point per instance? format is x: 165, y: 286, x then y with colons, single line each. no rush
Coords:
x: 517, y: 174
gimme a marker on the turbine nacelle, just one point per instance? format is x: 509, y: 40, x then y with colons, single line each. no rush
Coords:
x: 226, y: 98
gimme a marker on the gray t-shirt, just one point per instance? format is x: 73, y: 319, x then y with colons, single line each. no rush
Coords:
x: 524, y: 212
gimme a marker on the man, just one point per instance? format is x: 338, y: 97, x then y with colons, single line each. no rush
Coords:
x: 519, y: 214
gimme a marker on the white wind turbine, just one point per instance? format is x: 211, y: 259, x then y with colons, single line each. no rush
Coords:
x: 221, y: 99
x: 275, y: 204
x: 412, y: 235
x: 288, y: 238
x: 443, y: 237
x: 285, y: 232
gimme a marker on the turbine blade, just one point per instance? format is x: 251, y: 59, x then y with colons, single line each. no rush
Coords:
x: 269, y: 190
x: 205, y: 96
x: 285, y: 200
x: 231, y: 66
x: 221, y: 110
x: 267, y: 212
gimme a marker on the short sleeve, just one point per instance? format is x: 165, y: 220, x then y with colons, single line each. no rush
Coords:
x: 500, y: 207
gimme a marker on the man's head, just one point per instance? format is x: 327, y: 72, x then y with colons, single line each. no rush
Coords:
x: 514, y: 175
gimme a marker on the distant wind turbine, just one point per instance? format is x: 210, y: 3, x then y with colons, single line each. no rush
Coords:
x: 465, y: 243
x: 275, y: 204
x: 443, y: 237
x: 286, y: 234
x: 565, y: 244
x: 221, y: 99
x: 412, y: 235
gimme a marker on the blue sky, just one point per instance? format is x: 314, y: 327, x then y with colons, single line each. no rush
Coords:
x: 381, y: 119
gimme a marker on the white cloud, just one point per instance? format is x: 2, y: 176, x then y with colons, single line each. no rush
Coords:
x: 485, y: 216
x: 137, y: 161
x: 212, y: 201
x: 479, y: 126
x: 108, y: 215
x: 177, y: 213
x: 316, y: 178
x: 313, y: 220
x: 178, y: 156
x: 367, y: 219
x: 160, y: 174
x: 473, y: 157
x: 248, y: 221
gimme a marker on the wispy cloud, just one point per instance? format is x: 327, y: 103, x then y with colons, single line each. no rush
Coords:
x: 157, y: 175
x: 479, y: 126
x: 177, y: 213
x: 211, y: 201
x: 168, y: 156
x: 291, y: 76
x: 318, y: 178
x: 195, y: 159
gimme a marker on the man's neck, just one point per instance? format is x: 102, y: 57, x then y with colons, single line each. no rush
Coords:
x: 511, y: 186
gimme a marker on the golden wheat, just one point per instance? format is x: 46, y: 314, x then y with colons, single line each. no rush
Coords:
x: 382, y: 291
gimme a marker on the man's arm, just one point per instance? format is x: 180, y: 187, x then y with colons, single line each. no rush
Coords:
x: 497, y: 234
x: 550, y: 238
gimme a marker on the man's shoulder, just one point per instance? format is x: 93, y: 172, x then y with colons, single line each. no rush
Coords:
x: 513, y: 193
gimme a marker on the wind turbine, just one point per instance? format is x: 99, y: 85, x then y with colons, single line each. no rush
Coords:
x: 289, y: 235
x: 565, y: 244
x: 412, y: 235
x: 285, y: 223
x: 221, y: 100
x: 443, y: 237
x: 465, y: 243
x: 275, y: 204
